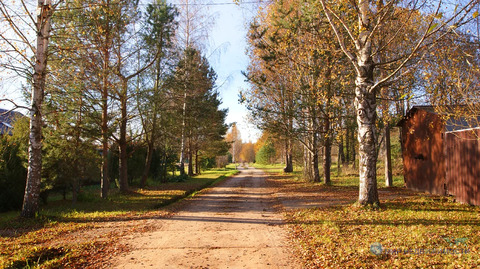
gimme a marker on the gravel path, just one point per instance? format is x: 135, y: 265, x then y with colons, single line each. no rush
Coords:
x: 234, y: 225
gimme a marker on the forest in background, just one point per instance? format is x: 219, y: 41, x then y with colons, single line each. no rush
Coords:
x: 126, y: 85
x: 341, y: 74
x: 127, y: 97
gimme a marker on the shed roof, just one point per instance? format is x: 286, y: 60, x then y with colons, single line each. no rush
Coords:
x: 452, y: 123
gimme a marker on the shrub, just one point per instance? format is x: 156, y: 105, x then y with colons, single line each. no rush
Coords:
x: 13, y: 176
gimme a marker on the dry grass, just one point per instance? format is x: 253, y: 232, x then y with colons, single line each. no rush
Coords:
x: 409, y: 230
x: 84, y: 235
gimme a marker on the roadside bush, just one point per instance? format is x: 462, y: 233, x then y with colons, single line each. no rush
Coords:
x: 13, y: 176
x: 179, y: 178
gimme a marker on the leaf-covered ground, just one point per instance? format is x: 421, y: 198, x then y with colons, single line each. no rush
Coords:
x: 409, y: 230
x: 85, y: 235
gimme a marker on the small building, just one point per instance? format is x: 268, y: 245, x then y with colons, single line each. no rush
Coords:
x: 441, y: 155
x: 462, y: 167
x: 7, y: 118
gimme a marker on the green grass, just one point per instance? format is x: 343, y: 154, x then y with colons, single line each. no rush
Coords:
x: 348, y: 176
x: 25, y: 243
x: 341, y: 236
x: 231, y: 166
x: 273, y: 168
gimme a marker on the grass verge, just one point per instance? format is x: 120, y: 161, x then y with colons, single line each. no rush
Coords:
x: 82, y: 235
x: 407, y: 231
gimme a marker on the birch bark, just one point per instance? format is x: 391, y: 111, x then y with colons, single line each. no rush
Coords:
x: 34, y: 174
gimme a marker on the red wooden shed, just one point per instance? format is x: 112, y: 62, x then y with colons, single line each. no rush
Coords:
x: 440, y: 156
x: 462, y: 167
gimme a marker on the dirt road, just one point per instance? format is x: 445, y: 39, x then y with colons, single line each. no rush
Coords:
x: 233, y: 225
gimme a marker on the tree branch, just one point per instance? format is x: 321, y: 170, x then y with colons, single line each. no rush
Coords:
x: 339, y: 35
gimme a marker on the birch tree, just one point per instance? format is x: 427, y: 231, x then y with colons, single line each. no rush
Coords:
x: 192, y: 33
x: 359, y: 43
x: 235, y: 139
x: 30, y: 59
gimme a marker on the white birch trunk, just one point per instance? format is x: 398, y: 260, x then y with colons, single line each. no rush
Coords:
x: 365, y: 107
x: 32, y: 189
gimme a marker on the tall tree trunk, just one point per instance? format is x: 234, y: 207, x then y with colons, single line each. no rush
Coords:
x: 366, y: 115
x: 341, y: 151
x: 341, y: 156
x: 327, y: 156
x: 315, y: 176
x: 190, y: 163
x: 105, y: 181
x: 316, y: 172
x: 347, y: 142
x: 327, y: 162
x: 165, y: 168
x: 190, y: 157
x: 365, y: 106
x: 288, y: 156
x: 353, y: 153
x: 148, y: 163
x: 122, y: 141
x: 388, y: 158
x: 78, y: 171
x: 197, y: 164
x: 34, y: 174
x: 182, y: 142
x: 307, y: 173
x: 339, y: 159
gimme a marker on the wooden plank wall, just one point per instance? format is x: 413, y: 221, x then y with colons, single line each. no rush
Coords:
x: 423, y: 153
x: 462, y: 161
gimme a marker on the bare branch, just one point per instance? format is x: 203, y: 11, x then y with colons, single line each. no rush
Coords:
x: 340, y: 36
x: 380, y: 20
x: 30, y: 16
x: 16, y: 106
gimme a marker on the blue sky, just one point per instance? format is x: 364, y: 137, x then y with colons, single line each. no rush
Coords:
x: 228, y: 41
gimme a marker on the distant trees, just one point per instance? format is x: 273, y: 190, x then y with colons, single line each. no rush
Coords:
x: 193, y: 88
x: 311, y: 60
x: 235, y: 139
x: 295, y: 91
x: 116, y: 78
x: 266, y: 154
x: 247, y: 154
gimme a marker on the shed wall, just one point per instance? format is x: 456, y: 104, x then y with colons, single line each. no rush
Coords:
x: 462, y: 150
x: 423, y: 152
